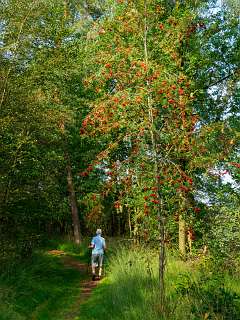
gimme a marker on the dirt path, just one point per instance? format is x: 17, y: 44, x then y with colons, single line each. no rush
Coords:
x: 86, y: 285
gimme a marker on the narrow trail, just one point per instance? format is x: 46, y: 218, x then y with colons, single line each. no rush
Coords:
x: 86, y: 285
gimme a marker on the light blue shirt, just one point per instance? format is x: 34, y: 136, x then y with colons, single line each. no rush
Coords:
x: 99, y: 244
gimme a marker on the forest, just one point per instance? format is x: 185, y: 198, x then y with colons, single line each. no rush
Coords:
x: 122, y: 115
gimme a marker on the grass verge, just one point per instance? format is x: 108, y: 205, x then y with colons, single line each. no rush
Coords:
x: 130, y: 292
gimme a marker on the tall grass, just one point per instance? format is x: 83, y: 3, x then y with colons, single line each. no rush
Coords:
x: 131, y: 290
x: 41, y: 288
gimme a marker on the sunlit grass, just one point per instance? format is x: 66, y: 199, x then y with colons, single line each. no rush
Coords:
x: 131, y: 290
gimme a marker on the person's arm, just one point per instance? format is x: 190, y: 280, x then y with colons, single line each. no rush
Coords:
x: 92, y: 244
x: 104, y: 245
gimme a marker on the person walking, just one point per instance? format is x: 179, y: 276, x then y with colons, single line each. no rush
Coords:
x: 98, y: 246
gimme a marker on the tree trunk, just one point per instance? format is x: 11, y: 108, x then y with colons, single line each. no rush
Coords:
x: 189, y: 239
x: 182, y: 237
x: 161, y: 218
x: 129, y: 223
x: 73, y: 205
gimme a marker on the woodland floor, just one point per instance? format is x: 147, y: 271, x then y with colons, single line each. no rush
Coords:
x: 56, y: 285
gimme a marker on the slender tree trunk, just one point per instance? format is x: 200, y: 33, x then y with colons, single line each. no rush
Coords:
x: 119, y: 225
x: 182, y: 236
x: 161, y: 218
x: 182, y: 225
x: 129, y: 222
x: 136, y: 236
x: 73, y: 205
x: 15, y: 48
x: 71, y: 191
x: 189, y: 243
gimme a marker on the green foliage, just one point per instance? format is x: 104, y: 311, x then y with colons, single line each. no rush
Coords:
x: 205, y: 45
x: 224, y: 237
x: 41, y: 288
x: 210, y: 296
x: 41, y: 89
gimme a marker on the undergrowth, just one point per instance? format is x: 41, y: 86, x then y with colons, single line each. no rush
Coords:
x: 131, y: 291
x: 41, y: 288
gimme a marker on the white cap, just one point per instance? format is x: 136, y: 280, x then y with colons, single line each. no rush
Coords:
x: 99, y: 231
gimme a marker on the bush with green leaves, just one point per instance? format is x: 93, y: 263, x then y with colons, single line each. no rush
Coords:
x: 210, y: 296
x: 224, y: 236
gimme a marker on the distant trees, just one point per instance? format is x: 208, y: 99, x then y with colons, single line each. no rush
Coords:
x: 37, y: 96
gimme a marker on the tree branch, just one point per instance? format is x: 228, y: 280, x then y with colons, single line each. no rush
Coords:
x: 219, y: 81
